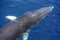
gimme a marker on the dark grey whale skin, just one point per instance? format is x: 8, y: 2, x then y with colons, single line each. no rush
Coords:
x: 15, y: 28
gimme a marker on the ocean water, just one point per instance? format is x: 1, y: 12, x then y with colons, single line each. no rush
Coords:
x: 47, y: 29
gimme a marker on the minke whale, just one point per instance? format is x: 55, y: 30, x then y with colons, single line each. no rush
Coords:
x: 15, y: 28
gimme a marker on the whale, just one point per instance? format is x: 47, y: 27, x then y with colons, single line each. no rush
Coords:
x: 15, y: 28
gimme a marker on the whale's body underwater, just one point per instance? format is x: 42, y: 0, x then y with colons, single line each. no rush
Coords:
x: 12, y: 30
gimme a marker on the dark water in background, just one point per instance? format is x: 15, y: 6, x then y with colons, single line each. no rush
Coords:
x: 47, y: 29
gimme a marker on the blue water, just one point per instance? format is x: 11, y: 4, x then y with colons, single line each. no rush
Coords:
x: 47, y: 29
